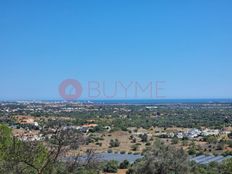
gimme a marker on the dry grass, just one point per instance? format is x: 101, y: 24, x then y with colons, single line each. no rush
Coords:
x: 123, y: 137
x: 120, y: 171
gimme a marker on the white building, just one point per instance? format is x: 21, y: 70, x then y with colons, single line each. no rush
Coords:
x: 208, y: 132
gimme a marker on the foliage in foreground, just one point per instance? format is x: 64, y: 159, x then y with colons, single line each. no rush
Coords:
x: 18, y: 157
x: 162, y: 159
x: 166, y: 159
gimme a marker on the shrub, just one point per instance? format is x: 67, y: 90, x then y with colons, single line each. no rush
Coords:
x: 175, y: 140
x: 229, y: 143
x: 110, y: 151
x: 111, y: 167
x: 192, y: 151
x: 124, y: 165
x: 114, y: 143
x: 134, y: 147
x: 144, y: 137
x: 122, y: 152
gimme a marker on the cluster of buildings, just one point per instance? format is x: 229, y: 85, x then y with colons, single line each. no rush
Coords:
x: 31, y: 137
x: 82, y: 128
x: 194, y: 133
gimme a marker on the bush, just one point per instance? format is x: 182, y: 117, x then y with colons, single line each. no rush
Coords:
x: 226, y: 153
x: 124, y: 165
x: 144, y: 137
x: 99, y: 144
x: 230, y: 135
x: 111, y: 167
x: 122, y: 152
x: 229, y: 143
x: 211, y: 139
x: 114, y: 143
x: 192, y: 151
x: 135, y: 147
x: 162, y: 159
x: 220, y: 146
x: 124, y: 129
x: 110, y: 151
x: 136, y: 153
x: 175, y: 140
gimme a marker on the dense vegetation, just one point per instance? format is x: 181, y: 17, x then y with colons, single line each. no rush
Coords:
x: 18, y: 157
x: 122, y: 117
x: 166, y: 159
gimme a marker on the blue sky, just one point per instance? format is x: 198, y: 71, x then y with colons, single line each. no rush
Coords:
x: 187, y: 44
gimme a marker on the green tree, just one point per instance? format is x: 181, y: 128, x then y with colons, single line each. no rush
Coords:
x: 162, y: 159
x: 124, y: 165
x: 227, y: 166
x: 114, y: 143
x: 111, y: 167
x: 18, y: 157
x: 21, y: 157
x: 175, y: 140
x: 211, y: 139
x: 144, y: 137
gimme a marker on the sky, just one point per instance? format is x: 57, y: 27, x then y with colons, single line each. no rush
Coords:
x: 185, y: 44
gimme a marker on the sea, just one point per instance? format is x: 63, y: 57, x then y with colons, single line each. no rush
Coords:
x: 157, y: 101
x: 135, y: 101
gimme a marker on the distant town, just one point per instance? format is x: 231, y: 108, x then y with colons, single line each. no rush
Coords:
x: 203, y: 130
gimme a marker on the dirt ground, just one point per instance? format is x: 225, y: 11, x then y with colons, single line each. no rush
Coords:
x: 123, y: 137
x: 120, y: 171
